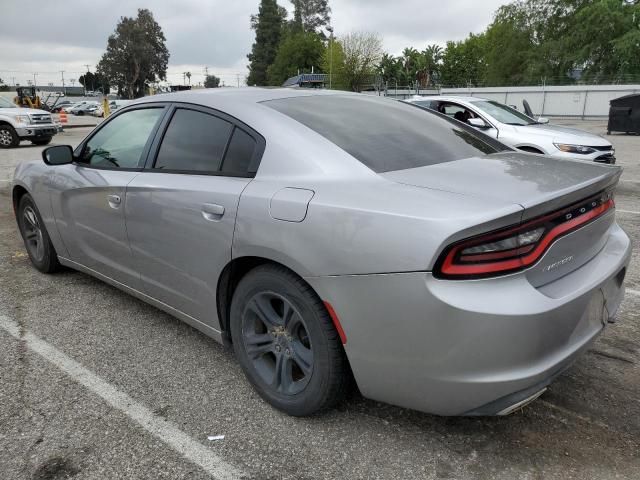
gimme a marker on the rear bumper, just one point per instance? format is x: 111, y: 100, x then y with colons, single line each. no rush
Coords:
x: 472, y: 347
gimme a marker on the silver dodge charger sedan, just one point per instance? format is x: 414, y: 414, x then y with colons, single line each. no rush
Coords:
x: 332, y: 237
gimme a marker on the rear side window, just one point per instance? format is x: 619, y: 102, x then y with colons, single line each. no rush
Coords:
x: 193, y: 142
x: 240, y: 153
x: 386, y: 135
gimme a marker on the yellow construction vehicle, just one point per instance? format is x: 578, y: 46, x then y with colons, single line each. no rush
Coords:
x: 26, y: 97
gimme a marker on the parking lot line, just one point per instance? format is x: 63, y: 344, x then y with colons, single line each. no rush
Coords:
x: 633, y: 292
x: 627, y: 211
x: 164, y: 430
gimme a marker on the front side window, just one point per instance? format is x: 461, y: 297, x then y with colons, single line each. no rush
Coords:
x: 121, y: 142
x: 193, y: 142
x: 504, y: 114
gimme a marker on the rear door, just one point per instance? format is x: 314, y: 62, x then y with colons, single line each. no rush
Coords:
x: 88, y: 196
x: 181, y: 210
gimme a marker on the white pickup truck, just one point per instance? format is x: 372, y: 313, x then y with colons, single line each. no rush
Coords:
x: 17, y: 124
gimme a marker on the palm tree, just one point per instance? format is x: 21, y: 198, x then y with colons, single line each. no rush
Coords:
x: 188, y: 74
x: 410, y: 58
x: 428, y: 65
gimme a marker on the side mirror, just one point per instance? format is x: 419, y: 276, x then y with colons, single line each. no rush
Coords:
x: 58, y: 155
x: 478, y: 123
x: 543, y: 120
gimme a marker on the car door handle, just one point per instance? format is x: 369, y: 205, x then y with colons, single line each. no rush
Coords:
x: 212, y: 211
x: 114, y: 201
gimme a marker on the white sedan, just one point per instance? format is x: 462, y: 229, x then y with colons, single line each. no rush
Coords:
x: 520, y: 131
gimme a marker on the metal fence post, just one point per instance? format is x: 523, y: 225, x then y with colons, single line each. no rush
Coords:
x: 584, y: 105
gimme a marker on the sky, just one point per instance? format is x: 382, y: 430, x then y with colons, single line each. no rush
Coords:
x: 70, y: 34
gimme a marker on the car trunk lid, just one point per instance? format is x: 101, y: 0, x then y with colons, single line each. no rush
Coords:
x: 540, y: 185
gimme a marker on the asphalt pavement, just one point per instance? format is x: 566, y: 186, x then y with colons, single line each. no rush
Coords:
x: 95, y: 384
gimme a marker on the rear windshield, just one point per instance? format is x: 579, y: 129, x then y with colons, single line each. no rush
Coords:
x: 386, y: 135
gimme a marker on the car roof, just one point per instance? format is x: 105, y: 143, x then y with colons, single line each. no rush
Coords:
x: 447, y: 98
x: 212, y: 96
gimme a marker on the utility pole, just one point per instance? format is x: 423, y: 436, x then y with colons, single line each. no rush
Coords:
x: 238, y: 78
x: 64, y: 90
x: 13, y: 80
x: 206, y: 72
x: 35, y: 74
x: 85, y: 80
x: 330, y: 30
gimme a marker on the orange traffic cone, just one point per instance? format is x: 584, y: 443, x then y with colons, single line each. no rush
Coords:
x: 62, y: 117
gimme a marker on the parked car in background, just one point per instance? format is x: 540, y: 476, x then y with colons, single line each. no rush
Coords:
x: 113, y: 106
x: 325, y: 234
x: 18, y: 124
x: 82, y: 107
x: 60, y: 105
x: 68, y: 108
x: 86, y: 109
x: 520, y: 131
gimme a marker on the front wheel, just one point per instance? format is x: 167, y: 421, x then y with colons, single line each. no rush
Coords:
x: 42, y: 141
x: 35, y: 236
x: 8, y: 137
x: 286, y: 343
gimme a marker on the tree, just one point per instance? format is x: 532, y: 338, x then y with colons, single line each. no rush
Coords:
x: 298, y: 52
x: 188, y: 75
x: 310, y: 15
x: 3, y: 86
x: 362, y: 53
x: 333, y: 63
x: 432, y: 56
x: 94, y: 82
x: 211, y: 81
x: 464, y: 62
x: 390, y: 70
x: 268, y: 25
x: 136, y: 55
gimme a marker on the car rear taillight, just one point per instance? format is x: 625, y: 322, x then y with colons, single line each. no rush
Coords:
x: 518, y: 247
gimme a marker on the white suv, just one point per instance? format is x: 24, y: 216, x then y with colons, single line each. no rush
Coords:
x: 18, y: 124
x: 520, y: 131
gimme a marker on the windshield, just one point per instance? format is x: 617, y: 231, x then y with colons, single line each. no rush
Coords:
x: 386, y: 135
x: 5, y: 103
x: 504, y: 114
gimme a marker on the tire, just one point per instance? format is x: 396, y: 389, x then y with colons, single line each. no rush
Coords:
x: 35, y: 236
x: 42, y: 141
x: 8, y: 137
x: 305, y: 349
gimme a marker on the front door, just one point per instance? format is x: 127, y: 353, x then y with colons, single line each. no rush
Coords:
x: 181, y: 211
x: 463, y: 114
x: 88, y: 196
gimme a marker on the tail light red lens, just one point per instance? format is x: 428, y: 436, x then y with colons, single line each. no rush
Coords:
x: 518, y: 247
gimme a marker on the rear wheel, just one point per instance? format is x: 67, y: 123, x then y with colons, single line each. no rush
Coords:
x: 8, y: 137
x: 42, y: 141
x: 35, y: 236
x: 286, y: 343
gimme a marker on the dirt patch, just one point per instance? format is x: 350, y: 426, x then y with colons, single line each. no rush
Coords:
x: 55, y: 468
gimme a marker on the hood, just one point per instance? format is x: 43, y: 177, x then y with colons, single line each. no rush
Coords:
x: 538, y: 183
x: 23, y: 111
x: 568, y: 135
